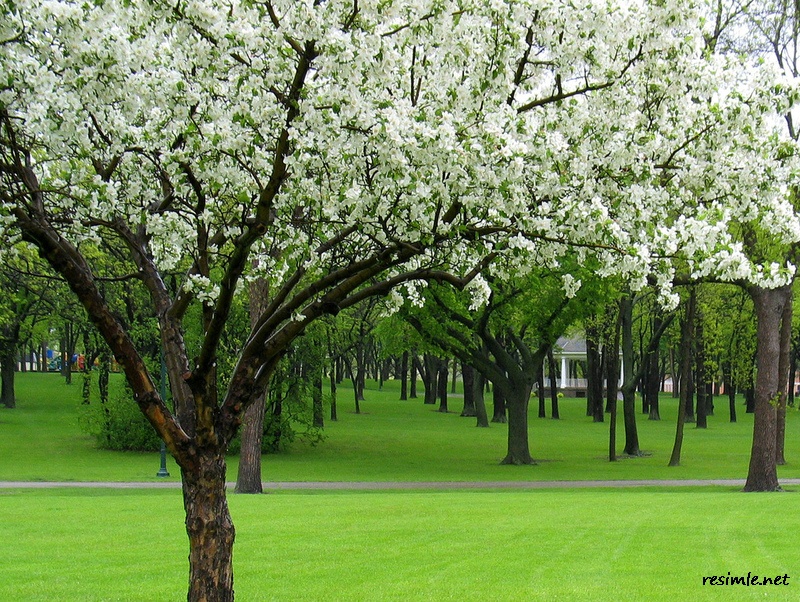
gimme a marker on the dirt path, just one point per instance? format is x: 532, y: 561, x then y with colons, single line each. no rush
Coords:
x: 396, y: 485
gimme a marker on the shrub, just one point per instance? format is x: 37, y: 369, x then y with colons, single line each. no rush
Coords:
x: 118, y: 424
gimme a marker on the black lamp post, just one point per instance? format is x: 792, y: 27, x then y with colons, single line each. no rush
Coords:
x: 163, y: 472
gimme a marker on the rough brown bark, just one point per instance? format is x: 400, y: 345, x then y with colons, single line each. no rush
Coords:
x: 732, y: 403
x: 429, y: 372
x: 612, y: 387
x: 210, y: 529
x: 7, y: 365
x: 404, y: 376
x: 442, y: 385
x: 554, y: 413
x: 594, y: 385
x: 541, y: 392
x: 316, y: 393
x: 412, y: 378
x: 468, y: 373
x: 653, y: 381
x: 783, y: 380
x: 769, y: 306
x: 792, y: 372
x: 480, y: 405
x: 700, y: 371
x: 628, y: 381
x: 518, y: 447
x: 499, y: 403
x: 248, y: 478
x: 685, y: 368
x: 332, y: 378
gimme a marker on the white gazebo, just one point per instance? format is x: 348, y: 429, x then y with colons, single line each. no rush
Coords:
x: 569, y: 350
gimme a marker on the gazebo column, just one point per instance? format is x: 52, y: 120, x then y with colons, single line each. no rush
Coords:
x: 563, y: 372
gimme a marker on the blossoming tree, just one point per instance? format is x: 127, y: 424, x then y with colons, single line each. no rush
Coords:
x: 339, y: 150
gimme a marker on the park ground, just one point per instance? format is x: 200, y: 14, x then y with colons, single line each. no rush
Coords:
x: 596, y: 543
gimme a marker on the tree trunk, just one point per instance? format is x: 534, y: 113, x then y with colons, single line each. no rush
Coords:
x: 478, y: 386
x: 7, y: 365
x: 442, y: 385
x: 730, y: 389
x: 210, y: 529
x: 750, y: 399
x: 468, y: 374
x: 700, y: 372
x: 499, y: 402
x: 710, y: 388
x: 318, y: 410
x: 690, y: 387
x: 783, y: 380
x: 769, y: 306
x: 612, y: 387
x: 429, y: 377
x: 386, y: 366
x: 653, y: 382
x: 644, y: 362
x: 412, y: 379
x: 66, y: 357
x: 541, y: 394
x: 518, y: 448
x: 732, y: 403
x: 359, y: 381
x: 628, y: 384
x: 404, y: 376
x: 594, y: 375
x: 554, y: 413
x: 792, y: 375
x: 356, y: 397
x: 248, y: 479
x: 334, y: 416
x: 685, y: 368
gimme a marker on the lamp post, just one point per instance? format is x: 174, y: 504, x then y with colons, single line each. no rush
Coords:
x: 163, y: 472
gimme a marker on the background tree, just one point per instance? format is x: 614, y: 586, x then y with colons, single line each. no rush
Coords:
x: 759, y: 29
x: 507, y: 340
x: 248, y: 478
x: 26, y: 300
x: 634, y: 369
x: 687, y: 327
x: 354, y: 149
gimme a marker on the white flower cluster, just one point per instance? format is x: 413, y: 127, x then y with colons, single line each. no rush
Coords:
x: 479, y: 291
x: 202, y: 288
x: 543, y: 124
x: 571, y: 285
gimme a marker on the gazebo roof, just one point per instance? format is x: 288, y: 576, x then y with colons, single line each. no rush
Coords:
x: 573, y: 347
x: 570, y: 346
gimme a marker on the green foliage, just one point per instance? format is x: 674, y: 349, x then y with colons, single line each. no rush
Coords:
x: 534, y: 308
x: 117, y: 424
x: 288, y: 416
x: 26, y: 306
x: 397, y: 336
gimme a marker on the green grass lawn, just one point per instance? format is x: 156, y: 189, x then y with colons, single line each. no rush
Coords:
x: 552, y: 544
x: 393, y: 440
x: 592, y: 545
